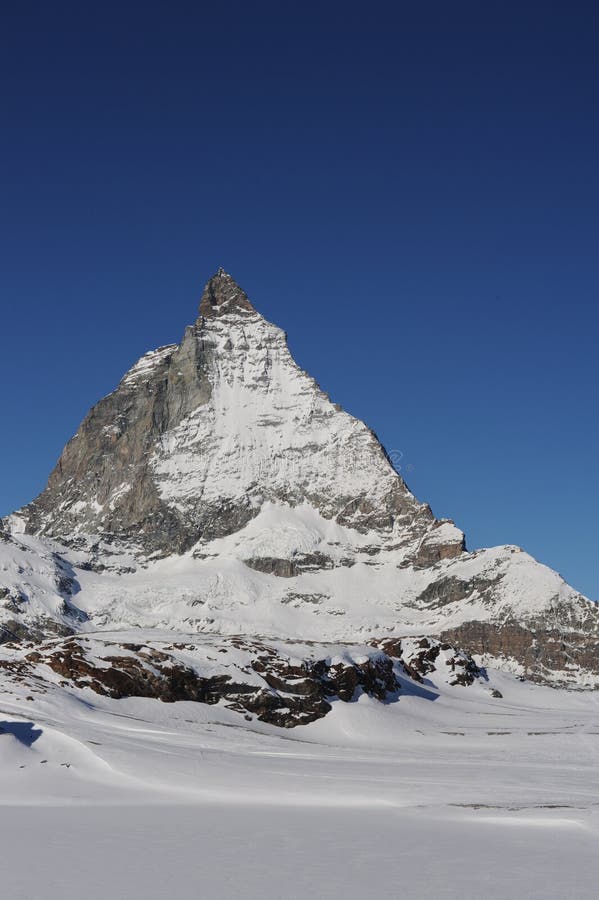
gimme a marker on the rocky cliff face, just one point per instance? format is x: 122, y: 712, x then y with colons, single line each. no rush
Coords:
x: 218, y: 490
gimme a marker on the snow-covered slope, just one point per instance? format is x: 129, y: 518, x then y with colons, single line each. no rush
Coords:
x: 219, y: 490
x: 436, y: 794
x: 36, y: 589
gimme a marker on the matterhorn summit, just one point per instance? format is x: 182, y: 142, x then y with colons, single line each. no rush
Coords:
x: 218, y: 492
x: 200, y: 438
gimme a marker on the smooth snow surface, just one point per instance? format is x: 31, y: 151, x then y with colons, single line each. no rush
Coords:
x: 229, y: 852
x: 457, y: 797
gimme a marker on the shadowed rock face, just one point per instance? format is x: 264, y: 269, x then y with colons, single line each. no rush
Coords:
x: 104, y: 470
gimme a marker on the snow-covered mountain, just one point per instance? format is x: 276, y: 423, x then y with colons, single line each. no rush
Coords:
x: 218, y: 490
x: 198, y: 437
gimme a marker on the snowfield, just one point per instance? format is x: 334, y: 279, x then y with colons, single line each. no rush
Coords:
x: 456, y: 797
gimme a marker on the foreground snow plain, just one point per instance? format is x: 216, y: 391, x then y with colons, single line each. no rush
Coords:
x: 454, y: 797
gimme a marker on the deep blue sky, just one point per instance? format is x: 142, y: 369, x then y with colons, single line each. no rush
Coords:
x: 410, y: 189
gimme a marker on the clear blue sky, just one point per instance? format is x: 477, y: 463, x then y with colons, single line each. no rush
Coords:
x: 410, y: 189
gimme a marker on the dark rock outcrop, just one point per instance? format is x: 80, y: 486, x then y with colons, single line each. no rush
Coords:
x: 268, y: 683
x: 222, y: 295
x: 542, y: 651
x: 250, y: 677
x: 423, y: 656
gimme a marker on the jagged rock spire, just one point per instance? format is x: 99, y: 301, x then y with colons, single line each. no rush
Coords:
x: 222, y: 295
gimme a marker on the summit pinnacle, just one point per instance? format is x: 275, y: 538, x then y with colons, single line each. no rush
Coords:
x: 221, y: 295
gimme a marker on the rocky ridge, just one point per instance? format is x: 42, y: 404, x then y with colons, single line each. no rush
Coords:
x: 283, y: 684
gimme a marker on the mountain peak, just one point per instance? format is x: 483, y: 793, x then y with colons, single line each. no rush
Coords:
x: 221, y: 295
x: 248, y: 503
